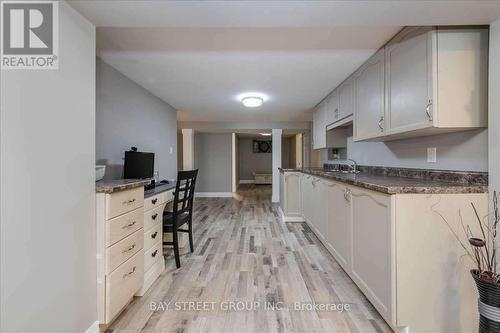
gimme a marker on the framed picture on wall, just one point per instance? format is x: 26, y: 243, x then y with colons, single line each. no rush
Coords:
x: 262, y: 146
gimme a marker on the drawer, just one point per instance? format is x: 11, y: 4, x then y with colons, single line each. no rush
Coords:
x: 151, y: 275
x: 152, y: 255
x: 153, y: 217
x: 124, y: 225
x: 124, y: 201
x: 159, y: 199
x: 123, y: 250
x: 152, y: 236
x: 123, y: 283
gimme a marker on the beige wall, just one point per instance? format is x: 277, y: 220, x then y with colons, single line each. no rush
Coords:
x: 48, y: 265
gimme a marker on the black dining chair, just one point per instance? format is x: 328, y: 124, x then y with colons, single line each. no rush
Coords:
x: 182, y: 212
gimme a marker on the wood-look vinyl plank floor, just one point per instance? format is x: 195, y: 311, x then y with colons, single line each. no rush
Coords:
x: 244, y: 254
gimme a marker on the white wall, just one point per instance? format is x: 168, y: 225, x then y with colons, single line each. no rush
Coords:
x: 212, y: 156
x: 494, y: 107
x: 128, y: 115
x: 466, y: 150
x: 48, y: 273
x: 251, y: 162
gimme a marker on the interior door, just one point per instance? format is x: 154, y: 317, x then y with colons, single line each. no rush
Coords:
x: 409, y: 80
x: 369, y: 98
x: 338, y: 223
x: 345, y: 93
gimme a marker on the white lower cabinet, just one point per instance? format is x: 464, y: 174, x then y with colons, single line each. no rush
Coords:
x: 338, y: 224
x: 398, y: 250
x: 372, y: 261
x: 320, y: 210
x: 306, y: 197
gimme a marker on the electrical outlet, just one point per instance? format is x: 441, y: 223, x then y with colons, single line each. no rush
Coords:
x: 431, y: 154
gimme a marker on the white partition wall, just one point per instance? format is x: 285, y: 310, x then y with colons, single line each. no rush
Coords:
x: 276, y: 163
x: 48, y: 267
x: 187, y: 149
x: 494, y: 110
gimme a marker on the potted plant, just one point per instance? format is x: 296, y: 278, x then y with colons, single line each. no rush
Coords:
x: 481, y: 249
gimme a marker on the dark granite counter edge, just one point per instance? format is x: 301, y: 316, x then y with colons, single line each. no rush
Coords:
x: 392, y: 189
x: 158, y: 189
x: 113, y: 186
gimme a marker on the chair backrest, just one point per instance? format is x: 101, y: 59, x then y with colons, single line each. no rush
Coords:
x: 184, y: 191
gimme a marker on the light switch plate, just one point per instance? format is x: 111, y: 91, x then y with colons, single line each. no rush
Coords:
x: 171, y: 150
x: 431, y: 154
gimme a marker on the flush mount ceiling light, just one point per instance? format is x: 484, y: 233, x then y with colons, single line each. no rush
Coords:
x: 252, y: 101
x: 265, y: 134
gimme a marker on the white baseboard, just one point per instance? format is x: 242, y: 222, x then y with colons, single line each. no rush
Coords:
x: 94, y: 328
x: 247, y: 181
x: 213, y: 194
x: 289, y: 218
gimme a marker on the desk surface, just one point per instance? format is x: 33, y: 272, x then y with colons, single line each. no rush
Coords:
x: 159, y: 189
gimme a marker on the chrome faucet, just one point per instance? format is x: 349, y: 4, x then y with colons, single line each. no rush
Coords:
x: 354, y: 166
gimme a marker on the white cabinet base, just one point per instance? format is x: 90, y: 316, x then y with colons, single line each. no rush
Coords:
x: 151, y: 275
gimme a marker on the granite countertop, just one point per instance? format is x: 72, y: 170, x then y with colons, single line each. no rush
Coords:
x: 111, y: 186
x: 159, y: 188
x: 394, y: 185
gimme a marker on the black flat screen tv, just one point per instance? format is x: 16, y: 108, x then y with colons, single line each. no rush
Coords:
x: 138, y: 165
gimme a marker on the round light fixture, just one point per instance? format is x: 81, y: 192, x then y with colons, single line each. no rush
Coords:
x: 252, y: 101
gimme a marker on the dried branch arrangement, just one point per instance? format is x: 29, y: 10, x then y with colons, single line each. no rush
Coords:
x: 481, y: 249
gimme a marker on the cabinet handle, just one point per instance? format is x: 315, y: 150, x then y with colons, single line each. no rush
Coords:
x: 154, y: 201
x: 129, y: 249
x: 428, y: 110
x: 131, y: 224
x: 154, y: 216
x: 154, y: 253
x: 380, y: 123
x: 154, y: 235
x: 129, y: 273
x: 131, y: 201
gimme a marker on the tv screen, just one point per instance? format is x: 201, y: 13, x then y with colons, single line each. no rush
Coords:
x: 138, y: 165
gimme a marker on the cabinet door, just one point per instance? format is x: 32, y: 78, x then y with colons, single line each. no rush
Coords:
x: 369, y: 98
x: 332, y: 109
x: 373, y: 248
x: 338, y: 224
x: 306, y: 200
x: 319, y: 126
x: 319, y: 212
x: 408, y: 64
x: 345, y: 97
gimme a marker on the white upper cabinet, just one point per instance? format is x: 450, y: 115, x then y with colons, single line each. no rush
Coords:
x: 436, y: 81
x: 345, y: 97
x: 409, y: 80
x: 425, y: 81
x: 369, y: 98
x: 332, y: 108
x: 319, y: 126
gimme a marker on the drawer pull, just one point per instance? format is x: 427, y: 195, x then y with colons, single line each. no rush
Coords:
x: 129, y: 273
x: 154, y: 235
x: 131, y: 224
x: 129, y: 202
x: 154, y: 253
x: 129, y: 249
x: 154, y: 201
x: 154, y: 216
